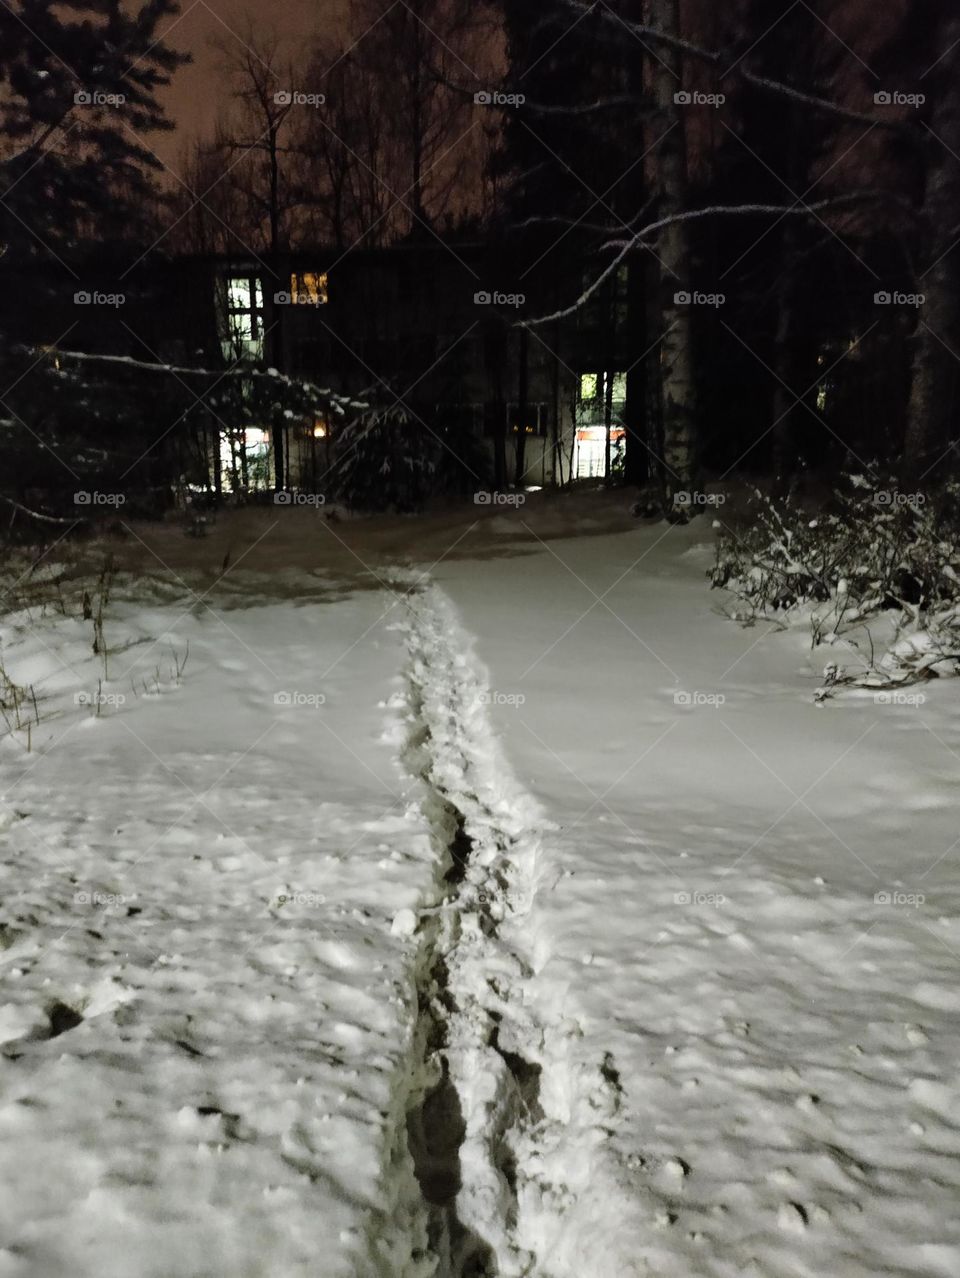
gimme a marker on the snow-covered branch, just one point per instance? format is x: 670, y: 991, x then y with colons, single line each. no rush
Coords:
x: 644, y: 237
x: 180, y: 370
x: 586, y: 108
x: 819, y: 104
x: 35, y: 514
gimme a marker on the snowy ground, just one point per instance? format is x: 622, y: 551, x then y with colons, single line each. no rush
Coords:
x: 475, y: 900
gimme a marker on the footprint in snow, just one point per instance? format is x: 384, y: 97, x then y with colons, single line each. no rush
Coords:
x: 792, y: 1218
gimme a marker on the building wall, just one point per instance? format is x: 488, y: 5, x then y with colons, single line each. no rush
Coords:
x: 406, y: 324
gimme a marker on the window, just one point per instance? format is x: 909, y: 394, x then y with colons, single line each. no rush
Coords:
x: 309, y: 288
x: 245, y: 459
x: 244, y: 326
x: 507, y: 417
x: 536, y: 423
x: 593, y: 387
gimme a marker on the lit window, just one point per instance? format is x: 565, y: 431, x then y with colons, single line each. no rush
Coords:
x: 536, y: 419
x: 242, y: 292
x: 244, y: 327
x: 309, y: 288
x: 244, y: 458
x: 595, y: 386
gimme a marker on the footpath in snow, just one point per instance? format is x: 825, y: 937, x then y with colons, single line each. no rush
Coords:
x: 515, y: 914
x: 512, y: 1128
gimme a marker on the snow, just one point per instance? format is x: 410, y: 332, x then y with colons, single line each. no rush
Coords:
x: 713, y: 916
x: 208, y: 879
x: 693, y: 953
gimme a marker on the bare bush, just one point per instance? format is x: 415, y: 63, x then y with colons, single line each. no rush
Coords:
x: 874, y: 552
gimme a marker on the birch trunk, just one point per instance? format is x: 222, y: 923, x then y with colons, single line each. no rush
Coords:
x: 680, y: 458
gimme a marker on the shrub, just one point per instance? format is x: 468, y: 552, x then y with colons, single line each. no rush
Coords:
x: 390, y: 459
x: 872, y: 551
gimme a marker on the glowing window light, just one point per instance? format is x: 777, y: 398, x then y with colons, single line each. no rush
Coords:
x: 244, y: 318
x: 310, y: 288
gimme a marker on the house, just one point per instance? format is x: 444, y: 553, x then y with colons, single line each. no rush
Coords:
x: 413, y: 324
x: 429, y: 323
x: 426, y: 324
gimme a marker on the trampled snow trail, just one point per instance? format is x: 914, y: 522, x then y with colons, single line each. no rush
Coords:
x: 508, y: 1123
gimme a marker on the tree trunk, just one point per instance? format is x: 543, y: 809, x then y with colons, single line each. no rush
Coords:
x: 636, y: 463
x: 784, y: 403
x: 274, y: 348
x: 495, y: 354
x: 555, y: 412
x: 680, y: 455
x: 653, y: 392
x: 523, y: 407
x: 609, y: 363
x: 498, y: 411
x: 932, y: 406
x: 214, y: 438
x: 608, y: 426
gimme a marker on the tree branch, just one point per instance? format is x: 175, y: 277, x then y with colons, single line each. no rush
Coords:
x: 35, y: 514
x: 127, y: 361
x: 642, y: 237
x: 716, y: 58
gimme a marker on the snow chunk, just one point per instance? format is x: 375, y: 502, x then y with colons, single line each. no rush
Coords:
x: 404, y: 923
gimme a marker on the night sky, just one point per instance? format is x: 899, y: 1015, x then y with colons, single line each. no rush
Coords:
x: 197, y: 90
x: 196, y: 93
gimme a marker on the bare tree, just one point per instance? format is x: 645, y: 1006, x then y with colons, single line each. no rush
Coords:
x: 256, y: 136
x: 347, y: 171
x: 208, y: 214
x: 429, y: 58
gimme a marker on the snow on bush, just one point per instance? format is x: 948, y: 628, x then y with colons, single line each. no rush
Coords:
x: 875, y: 561
x: 391, y: 459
